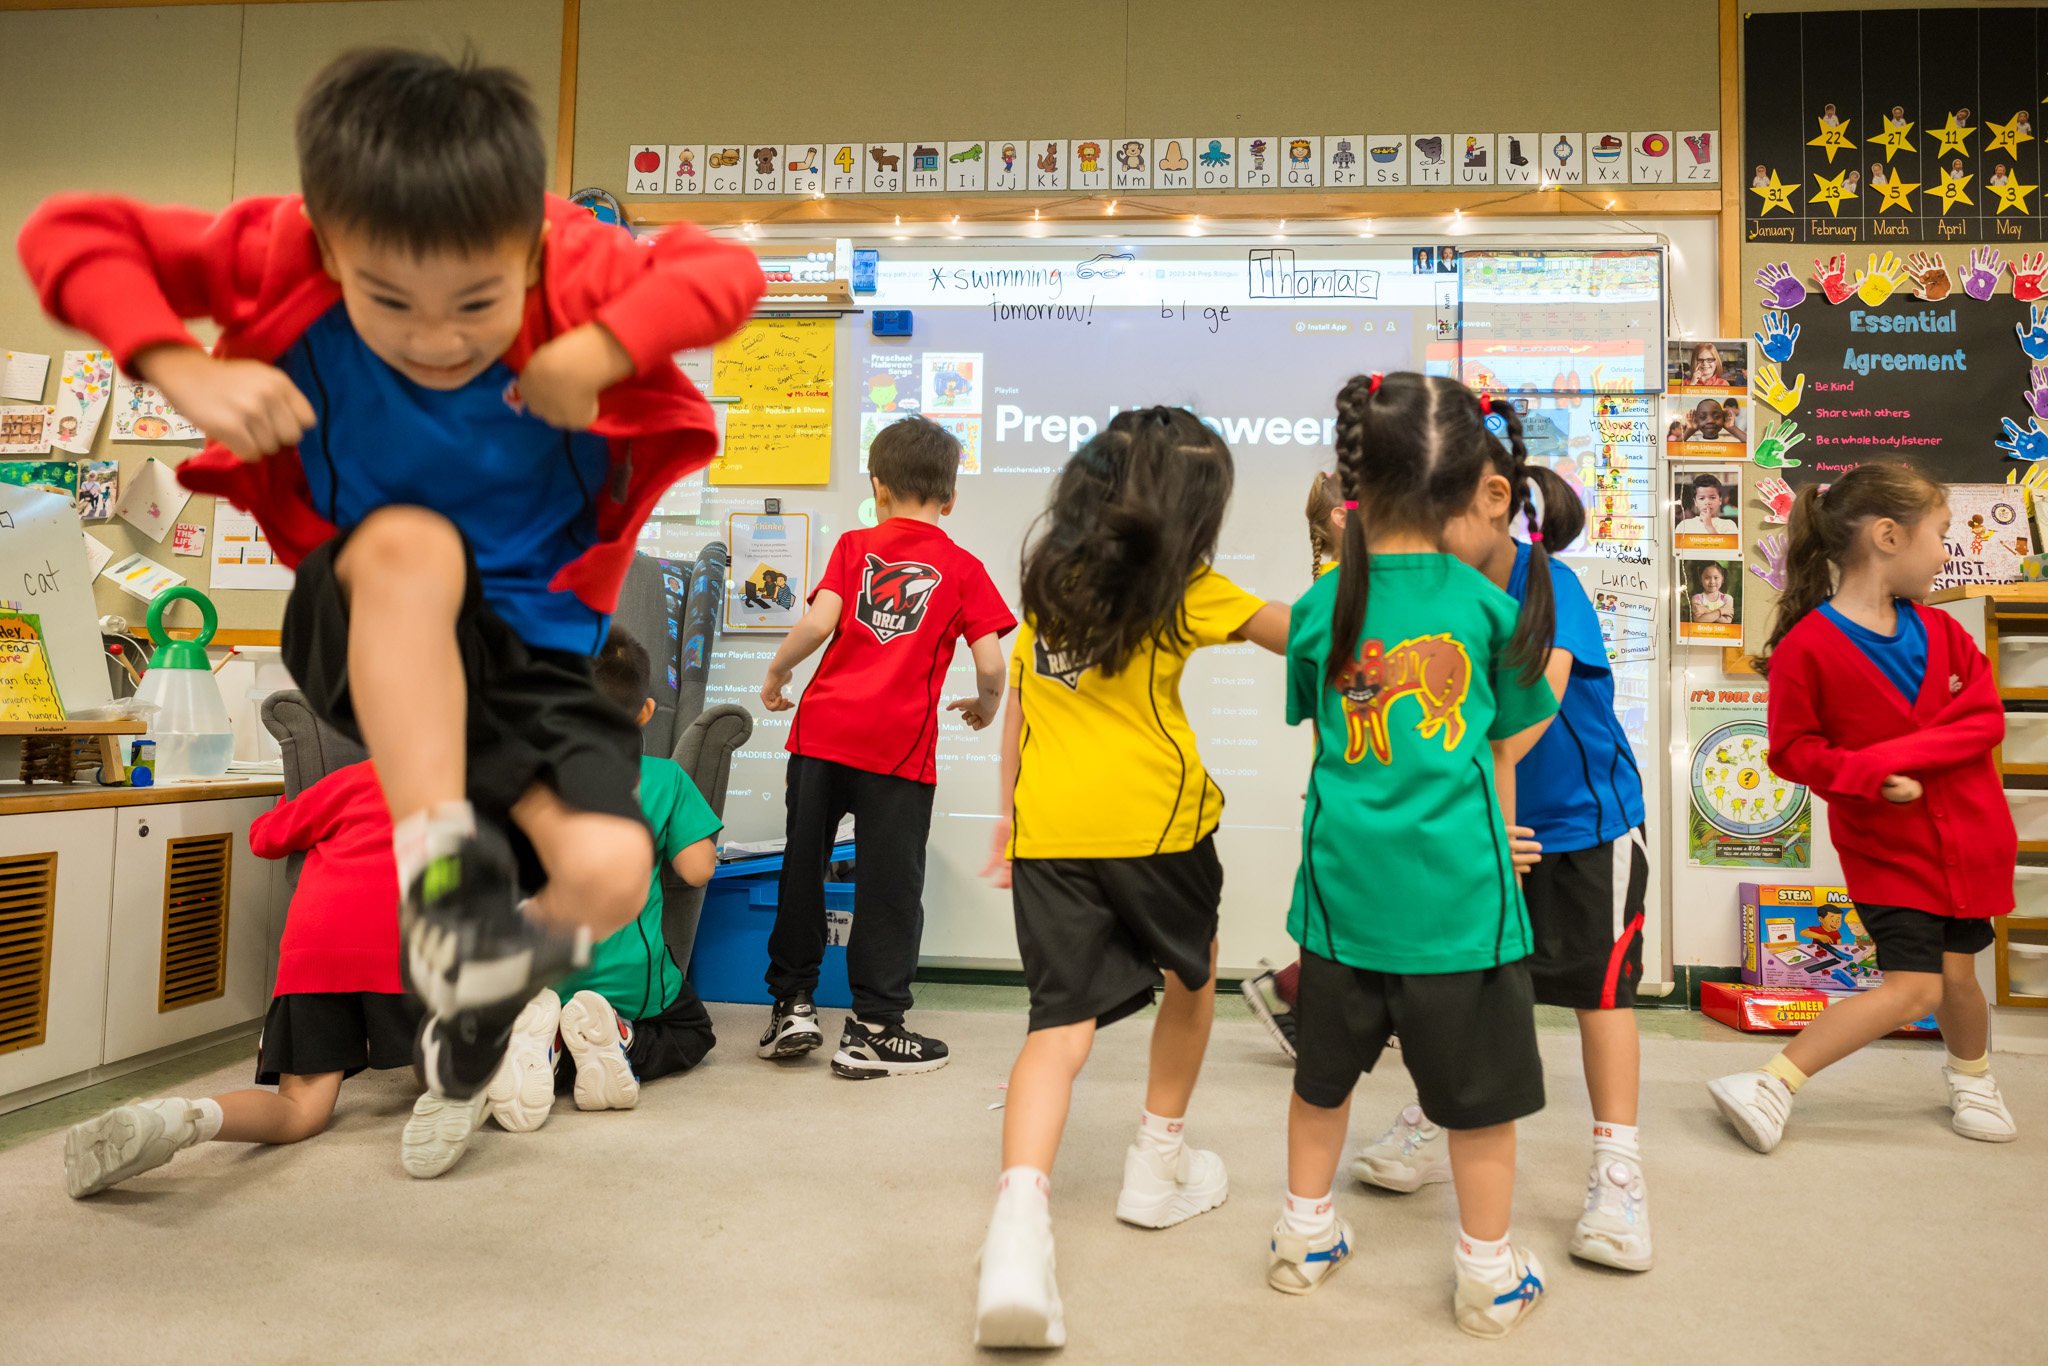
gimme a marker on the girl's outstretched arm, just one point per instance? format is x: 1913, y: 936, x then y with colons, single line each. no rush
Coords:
x: 1267, y: 628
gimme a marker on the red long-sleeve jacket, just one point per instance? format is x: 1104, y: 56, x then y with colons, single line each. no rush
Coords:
x: 130, y: 273
x: 341, y: 933
x: 1840, y: 727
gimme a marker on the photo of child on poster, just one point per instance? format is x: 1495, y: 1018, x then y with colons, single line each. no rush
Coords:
x: 1709, y: 601
x: 1706, y: 506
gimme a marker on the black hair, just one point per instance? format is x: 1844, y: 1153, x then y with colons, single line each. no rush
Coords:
x: 916, y: 458
x: 1705, y: 481
x: 622, y: 670
x: 1131, y: 518
x: 1821, y: 536
x: 422, y: 153
x: 1411, y: 450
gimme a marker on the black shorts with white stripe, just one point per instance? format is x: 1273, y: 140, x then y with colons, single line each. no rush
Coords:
x: 1586, y: 911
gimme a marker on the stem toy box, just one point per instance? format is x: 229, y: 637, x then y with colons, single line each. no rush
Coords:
x: 1782, y: 1010
x: 1805, y: 937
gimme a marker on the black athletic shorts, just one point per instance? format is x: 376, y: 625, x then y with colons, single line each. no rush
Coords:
x: 1914, y: 941
x: 1468, y: 1038
x: 310, y: 1032
x: 535, y: 716
x: 1096, y: 933
x: 1586, y: 910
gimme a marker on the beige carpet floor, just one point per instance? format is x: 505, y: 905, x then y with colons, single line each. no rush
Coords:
x: 748, y: 1213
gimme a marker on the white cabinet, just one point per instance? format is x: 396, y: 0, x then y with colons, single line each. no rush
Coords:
x: 57, y: 874
x: 191, y: 934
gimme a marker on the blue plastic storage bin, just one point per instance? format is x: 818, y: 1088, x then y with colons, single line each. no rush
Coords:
x: 731, y: 951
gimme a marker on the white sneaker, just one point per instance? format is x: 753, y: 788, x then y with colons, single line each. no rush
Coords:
x: 1296, y: 1265
x: 438, y: 1133
x: 522, y: 1091
x: 1018, y: 1304
x: 1411, y: 1154
x: 597, y: 1041
x: 1615, y: 1229
x: 1159, y: 1195
x: 1493, y: 1309
x: 125, y: 1142
x: 1980, y: 1111
x: 1757, y: 1104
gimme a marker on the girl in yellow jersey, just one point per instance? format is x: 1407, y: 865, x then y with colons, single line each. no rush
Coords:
x: 1106, y: 830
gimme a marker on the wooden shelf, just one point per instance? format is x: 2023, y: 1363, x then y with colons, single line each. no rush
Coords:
x: 2024, y: 770
x: 2033, y: 924
x: 19, y: 800
x: 123, y: 726
x: 2011, y: 592
x: 1151, y: 207
x: 2024, y: 694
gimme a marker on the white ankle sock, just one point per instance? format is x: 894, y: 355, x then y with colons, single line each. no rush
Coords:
x: 420, y: 836
x: 1483, y: 1257
x: 1160, y: 1135
x: 205, y: 1122
x: 1617, y: 1138
x: 1309, y: 1216
x: 210, y: 1120
x: 1024, y: 1192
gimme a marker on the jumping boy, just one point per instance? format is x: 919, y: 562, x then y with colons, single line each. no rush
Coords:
x: 448, y: 398
x: 892, y: 602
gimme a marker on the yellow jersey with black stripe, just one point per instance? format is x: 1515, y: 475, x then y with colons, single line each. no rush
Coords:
x: 1107, y: 764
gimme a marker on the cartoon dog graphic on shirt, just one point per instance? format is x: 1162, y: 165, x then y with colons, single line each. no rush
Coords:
x: 1435, y: 670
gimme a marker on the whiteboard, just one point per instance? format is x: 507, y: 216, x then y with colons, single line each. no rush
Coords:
x: 43, y: 568
x: 1025, y: 348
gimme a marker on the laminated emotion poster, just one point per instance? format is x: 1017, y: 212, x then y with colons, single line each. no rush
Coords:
x: 1743, y: 814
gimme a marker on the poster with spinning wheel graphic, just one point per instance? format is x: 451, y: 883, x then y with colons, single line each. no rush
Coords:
x: 1743, y: 814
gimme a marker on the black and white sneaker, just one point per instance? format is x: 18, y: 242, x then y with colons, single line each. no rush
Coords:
x: 885, y: 1050
x: 792, y: 1028
x: 467, y: 944
x: 459, y: 1054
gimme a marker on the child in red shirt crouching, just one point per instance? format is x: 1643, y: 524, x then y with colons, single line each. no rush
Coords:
x: 893, y: 601
x: 338, y: 1006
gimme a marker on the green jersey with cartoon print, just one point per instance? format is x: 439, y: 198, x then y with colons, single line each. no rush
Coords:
x: 1404, y: 856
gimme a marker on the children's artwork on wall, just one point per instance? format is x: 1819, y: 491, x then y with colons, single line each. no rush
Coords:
x: 51, y: 476
x: 1743, y: 814
x: 99, y: 484
x: 98, y: 554
x: 1709, y: 601
x: 771, y: 570
x: 142, y: 413
x: 153, y: 499
x: 26, y: 429
x: 141, y: 577
x: 1706, y: 507
x: 1872, y: 126
x: 188, y: 538
x: 22, y: 375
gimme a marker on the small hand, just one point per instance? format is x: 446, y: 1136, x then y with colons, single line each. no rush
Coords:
x: 1770, y: 387
x: 1780, y: 286
x: 2037, y: 391
x: 2034, y: 338
x: 1980, y: 282
x: 1523, y: 848
x: 1772, y: 451
x: 248, y: 406
x: 771, y: 690
x: 1902, y: 789
x: 564, y: 377
x: 2026, y: 277
x: 1875, y: 283
x: 1779, y: 335
x: 1777, y: 499
x: 971, y: 712
x: 1930, y: 276
x: 1772, y: 570
x: 2024, y: 443
x: 1833, y: 278
x: 997, y: 870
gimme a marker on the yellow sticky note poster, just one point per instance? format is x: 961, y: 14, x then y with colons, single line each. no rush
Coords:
x: 27, y: 691
x: 779, y: 429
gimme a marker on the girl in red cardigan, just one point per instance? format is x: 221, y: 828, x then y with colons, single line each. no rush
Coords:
x: 337, y: 1008
x: 1889, y: 711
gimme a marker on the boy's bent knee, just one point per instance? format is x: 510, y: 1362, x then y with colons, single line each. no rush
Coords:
x: 608, y: 877
x: 413, y: 542
x: 1917, y: 993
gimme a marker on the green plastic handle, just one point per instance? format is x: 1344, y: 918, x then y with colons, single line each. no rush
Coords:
x: 180, y: 654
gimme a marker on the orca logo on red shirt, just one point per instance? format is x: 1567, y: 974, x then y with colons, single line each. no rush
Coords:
x: 893, y: 596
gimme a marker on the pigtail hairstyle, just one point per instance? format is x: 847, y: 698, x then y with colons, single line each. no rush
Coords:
x: 1325, y: 496
x: 1130, y: 519
x: 1411, y: 451
x: 1822, y: 533
x: 1536, y: 624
